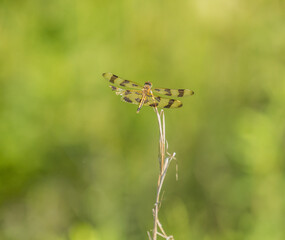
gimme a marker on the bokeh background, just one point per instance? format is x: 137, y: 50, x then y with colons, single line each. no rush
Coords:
x: 76, y: 163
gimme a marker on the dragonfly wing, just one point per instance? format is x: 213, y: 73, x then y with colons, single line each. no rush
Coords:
x: 135, y: 96
x: 173, y: 92
x: 114, y: 79
x: 160, y: 102
x: 129, y: 96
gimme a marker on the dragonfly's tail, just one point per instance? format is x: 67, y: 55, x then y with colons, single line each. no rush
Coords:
x: 139, y: 108
x: 141, y: 104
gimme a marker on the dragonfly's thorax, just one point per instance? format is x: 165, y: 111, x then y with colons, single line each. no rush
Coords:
x: 147, y: 87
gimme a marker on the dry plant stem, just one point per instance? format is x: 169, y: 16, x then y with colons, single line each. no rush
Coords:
x: 164, y: 164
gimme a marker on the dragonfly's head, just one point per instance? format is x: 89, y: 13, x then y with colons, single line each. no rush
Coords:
x: 148, y: 84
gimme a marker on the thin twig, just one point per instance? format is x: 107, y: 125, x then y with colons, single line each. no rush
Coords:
x: 164, y: 163
x: 149, y: 237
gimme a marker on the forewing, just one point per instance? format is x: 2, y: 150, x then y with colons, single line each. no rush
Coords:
x: 114, y: 79
x: 129, y: 96
x: 173, y: 92
x: 160, y: 102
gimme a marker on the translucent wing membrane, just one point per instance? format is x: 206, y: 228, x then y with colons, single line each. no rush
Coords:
x: 135, y: 96
x: 173, y: 92
x: 160, y: 102
x: 114, y: 79
x: 129, y: 96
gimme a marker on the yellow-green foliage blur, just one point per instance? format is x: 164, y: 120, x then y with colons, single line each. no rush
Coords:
x: 76, y: 163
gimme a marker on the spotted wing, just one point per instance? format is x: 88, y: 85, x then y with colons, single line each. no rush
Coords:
x: 173, y: 92
x: 129, y: 96
x: 135, y: 96
x: 161, y: 102
x: 114, y: 79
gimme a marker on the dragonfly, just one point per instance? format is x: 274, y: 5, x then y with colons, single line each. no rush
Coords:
x: 145, y: 95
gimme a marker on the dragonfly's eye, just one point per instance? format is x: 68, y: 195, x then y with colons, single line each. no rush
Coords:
x: 148, y: 84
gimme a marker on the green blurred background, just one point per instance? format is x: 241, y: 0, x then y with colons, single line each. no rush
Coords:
x: 76, y: 163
